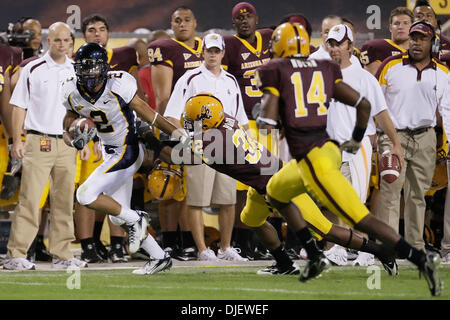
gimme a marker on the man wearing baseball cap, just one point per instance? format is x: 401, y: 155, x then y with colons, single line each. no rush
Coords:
x: 205, y: 186
x: 413, y: 84
x: 340, y: 122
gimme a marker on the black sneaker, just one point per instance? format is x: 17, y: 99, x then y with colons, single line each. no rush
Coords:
x: 275, y: 269
x: 262, y: 254
x: 186, y: 254
x: 90, y: 255
x: 314, y: 268
x: 101, y: 250
x: 293, y: 254
x: 116, y: 254
x: 391, y: 267
x: 41, y: 251
x: 430, y: 270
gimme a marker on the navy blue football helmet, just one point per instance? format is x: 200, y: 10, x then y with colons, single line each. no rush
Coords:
x: 91, y: 65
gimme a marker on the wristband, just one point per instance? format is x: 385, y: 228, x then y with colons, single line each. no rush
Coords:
x: 267, y: 121
x: 96, y: 138
x: 358, y: 133
x: 359, y: 101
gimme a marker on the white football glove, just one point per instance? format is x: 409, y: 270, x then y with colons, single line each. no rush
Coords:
x: 351, y: 146
x: 82, y: 138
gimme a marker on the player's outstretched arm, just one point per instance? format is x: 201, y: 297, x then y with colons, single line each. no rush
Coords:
x: 162, y: 77
x: 154, y: 118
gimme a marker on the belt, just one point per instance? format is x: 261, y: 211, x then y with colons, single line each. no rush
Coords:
x: 57, y: 136
x: 413, y: 132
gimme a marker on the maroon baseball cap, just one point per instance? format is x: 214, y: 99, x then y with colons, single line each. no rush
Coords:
x: 422, y: 28
x: 242, y: 7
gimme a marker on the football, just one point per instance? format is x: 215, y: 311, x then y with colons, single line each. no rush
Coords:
x: 390, y: 167
x: 81, y: 123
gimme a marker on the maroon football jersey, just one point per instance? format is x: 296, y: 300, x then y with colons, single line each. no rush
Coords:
x: 10, y: 58
x: 241, y: 60
x: 237, y: 155
x: 176, y: 55
x: 378, y: 50
x: 305, y: 88
x: 122, y: 59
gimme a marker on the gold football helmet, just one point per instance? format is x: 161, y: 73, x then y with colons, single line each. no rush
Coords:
x: 165, y: 182
x: 440, y: 177
x: 203, y: 107
x: 289, y: 39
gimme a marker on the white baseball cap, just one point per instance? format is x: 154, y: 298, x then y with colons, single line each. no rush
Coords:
x: 340, y: 33
x: 214, y: 40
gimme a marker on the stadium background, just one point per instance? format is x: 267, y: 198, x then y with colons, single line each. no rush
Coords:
x: 125, y: 17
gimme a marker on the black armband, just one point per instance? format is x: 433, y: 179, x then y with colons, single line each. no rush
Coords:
x: 96, y: 138
x: 439, y: 130
x: 358, y: 133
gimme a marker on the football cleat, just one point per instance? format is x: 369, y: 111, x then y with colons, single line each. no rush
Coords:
x: 186, y: 254
x: 155, y: 265
x: 275, y: 270
x: 391, y: 267
x: 116, y: 254
x: 314, y: 268
x: 101, y: 249
x: 430, y: 270
x: 90, y: 254
x: 137, y: 232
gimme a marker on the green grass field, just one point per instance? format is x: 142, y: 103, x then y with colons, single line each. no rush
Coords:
x: 215, y: 283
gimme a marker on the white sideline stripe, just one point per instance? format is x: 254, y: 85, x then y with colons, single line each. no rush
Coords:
x: 209, y: 289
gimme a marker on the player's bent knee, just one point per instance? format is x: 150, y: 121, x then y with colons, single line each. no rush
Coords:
x: 277, y: 204
x: 84, y: 197
x: 116, y: 221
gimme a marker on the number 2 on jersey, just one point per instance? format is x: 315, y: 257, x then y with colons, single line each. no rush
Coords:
x: 316, y: 94
x: 101, y: 121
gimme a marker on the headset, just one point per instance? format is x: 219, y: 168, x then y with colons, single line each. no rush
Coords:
x: 435, y: 42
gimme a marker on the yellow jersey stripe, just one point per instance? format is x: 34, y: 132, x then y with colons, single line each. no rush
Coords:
x: 196, y: 52
x: 390, y: 64
x: 392, y: 43
x: 272, y: 90
x: 257, y: 50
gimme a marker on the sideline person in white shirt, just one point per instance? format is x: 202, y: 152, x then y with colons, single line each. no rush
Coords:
x: 205, y: 186
x: 342, y: 118
x: 38, y: 110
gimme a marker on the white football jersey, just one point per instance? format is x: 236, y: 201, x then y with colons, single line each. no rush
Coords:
x: 109, y: 108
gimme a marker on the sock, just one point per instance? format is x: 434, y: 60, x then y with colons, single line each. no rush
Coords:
x: 277, y: 222
x: 409, y: 252
x: 152, y: 248
x: 187, y: 239
x: 308, y: 243
x: 116, y: 240
x: 169, y: 239
x: 86, y: 242
x: 383, y: 253
x: 128, y: 215
x: 281, y: 257
x: 98, y: 225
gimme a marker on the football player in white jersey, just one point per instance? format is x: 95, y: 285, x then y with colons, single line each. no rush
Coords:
x: 109, y: 99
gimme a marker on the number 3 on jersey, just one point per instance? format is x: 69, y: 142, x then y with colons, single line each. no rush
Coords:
x: 316, y: 94
x: 252, y: 90
x: 254, y: 148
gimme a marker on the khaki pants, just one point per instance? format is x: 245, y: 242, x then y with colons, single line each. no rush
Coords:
x: 415, y: 178
x: 59, y: 165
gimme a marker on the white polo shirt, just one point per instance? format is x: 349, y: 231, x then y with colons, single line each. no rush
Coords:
x: 322, y: 54
x: 412, y: 96
x: 195, y: 81
x: 341, y: 118
x: 39, y: 91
